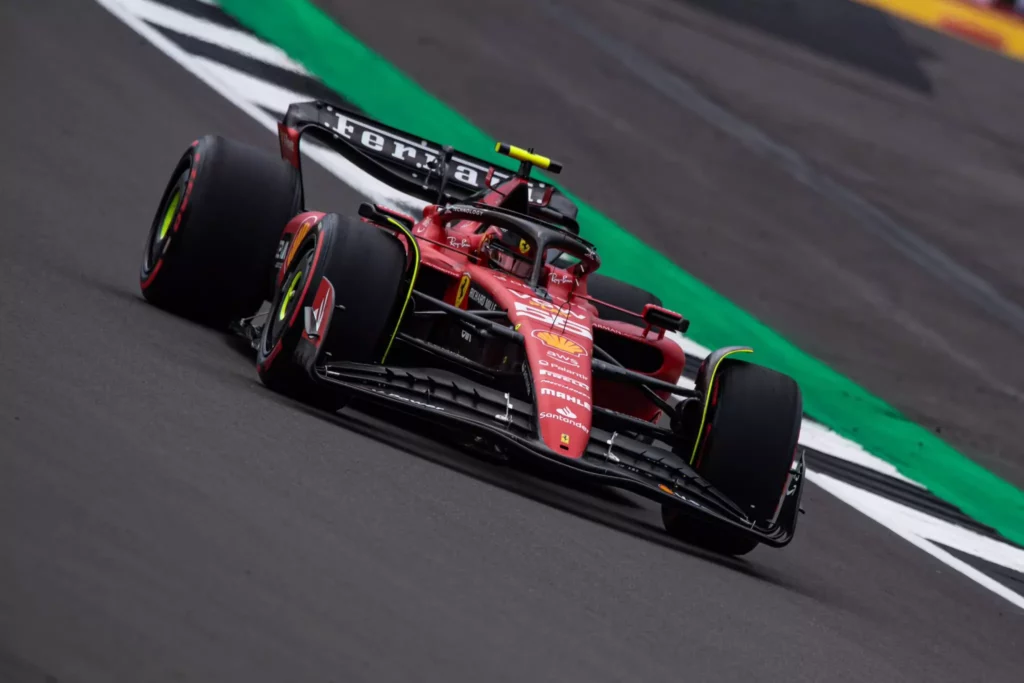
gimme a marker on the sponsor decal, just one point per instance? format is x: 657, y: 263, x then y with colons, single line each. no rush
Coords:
x: 524, y: 246
x: 566, y: 397
x: 563, y: 323
x: 322, y: 304
x: 562, y: 358
x: 406, y: 399
x: 574, y: 373
x: 564, y: 378
x: 466, y: 336
x: 556, y: 416
x: 463, y: 208
x: 482, y: 300
x: 563, y: 387
x: 560, y: 343
x: 282, y: 249
x: 565, y: 411
x: 560, y: 278
x: 460, y: 294
x: 458, y: 243
x: 565, y: 310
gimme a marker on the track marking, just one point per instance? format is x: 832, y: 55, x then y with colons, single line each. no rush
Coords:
x: 242, y: 43
x: 252, y: 95
x: 924, y: 531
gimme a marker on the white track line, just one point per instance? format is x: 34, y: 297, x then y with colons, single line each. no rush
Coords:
x: 207, y: 31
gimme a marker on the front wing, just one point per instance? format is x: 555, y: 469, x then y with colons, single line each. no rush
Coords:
x: 509, y: 424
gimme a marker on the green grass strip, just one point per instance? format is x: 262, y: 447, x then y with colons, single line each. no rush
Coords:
x: 382, y: 91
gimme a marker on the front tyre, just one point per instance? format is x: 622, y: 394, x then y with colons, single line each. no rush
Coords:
x: 337, y: 299
x: 746, y: 450
x: 210, y: 251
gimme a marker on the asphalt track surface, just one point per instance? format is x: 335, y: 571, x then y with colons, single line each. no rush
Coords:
x: 852, y: 180
x: 163, y: 517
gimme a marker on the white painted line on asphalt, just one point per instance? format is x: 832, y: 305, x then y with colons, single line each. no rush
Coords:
x: 250, y: 94
x: 207, y: 31
x: 924, y: 531
x: 255, y: 90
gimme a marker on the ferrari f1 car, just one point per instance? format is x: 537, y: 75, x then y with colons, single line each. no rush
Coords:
x: 485, y: 313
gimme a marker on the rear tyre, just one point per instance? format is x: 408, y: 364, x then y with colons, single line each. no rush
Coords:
x: 621, y: 294
x: 349, y: 274
x: 210, y: 251
x: 746, y: 452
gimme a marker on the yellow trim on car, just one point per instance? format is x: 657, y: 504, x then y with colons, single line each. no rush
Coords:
x: 707, y: 401
x: 520, y: 154
x: 412, y: 283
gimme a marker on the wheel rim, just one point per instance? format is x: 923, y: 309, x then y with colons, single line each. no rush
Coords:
x: 288, y: 297
x: 160, y: 233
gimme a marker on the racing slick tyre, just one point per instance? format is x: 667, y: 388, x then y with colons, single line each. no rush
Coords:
x: 337, y: 299
x: 746, y: 452
x: 210, y: 251
x: 621, y: 294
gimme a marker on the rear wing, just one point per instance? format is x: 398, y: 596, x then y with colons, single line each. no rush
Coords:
x: 399, y: 159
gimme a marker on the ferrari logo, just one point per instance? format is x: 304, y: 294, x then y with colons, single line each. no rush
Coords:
x: 557, y: 341
x: 565, y: 439
x: 460, y: 294
x: 524, y: 246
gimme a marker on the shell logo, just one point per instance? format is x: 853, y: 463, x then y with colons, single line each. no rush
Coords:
x: 557, y: 341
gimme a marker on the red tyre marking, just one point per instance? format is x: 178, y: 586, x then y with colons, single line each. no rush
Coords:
x: 703, y: 447
x: 270, y: 358
x: 152, y: 274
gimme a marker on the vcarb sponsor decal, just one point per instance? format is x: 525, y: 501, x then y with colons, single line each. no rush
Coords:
x: 556, y: 416
x: 574, y: 373
x: 566, y: 397
x: 564, y: 378
x: 563, y: 358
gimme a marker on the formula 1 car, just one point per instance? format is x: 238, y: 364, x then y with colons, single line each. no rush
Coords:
x: 485, y: 314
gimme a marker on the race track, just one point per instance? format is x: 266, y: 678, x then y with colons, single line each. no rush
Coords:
x: 852, y: 180
x: 163, y: 517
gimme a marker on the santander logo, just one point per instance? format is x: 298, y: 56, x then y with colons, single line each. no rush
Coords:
x: 565, y: 412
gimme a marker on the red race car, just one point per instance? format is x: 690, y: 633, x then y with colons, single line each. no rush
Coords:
x: 485, y: 313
